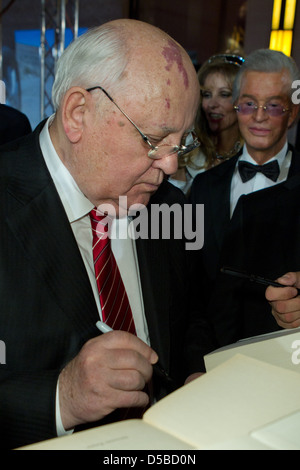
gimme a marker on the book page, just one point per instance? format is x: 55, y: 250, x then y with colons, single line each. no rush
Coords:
x: 281, y: 348
x: 125, y: 435
x: 228, y: 402
x: 240, y: 443
x: 283, y: 434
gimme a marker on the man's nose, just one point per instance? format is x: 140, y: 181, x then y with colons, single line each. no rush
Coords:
x: 260, y: 114
x: 168, y: 164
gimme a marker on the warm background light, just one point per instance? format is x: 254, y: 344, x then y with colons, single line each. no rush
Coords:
x: 289, y: 14
x: 282, y: 39
x: 276, y: 14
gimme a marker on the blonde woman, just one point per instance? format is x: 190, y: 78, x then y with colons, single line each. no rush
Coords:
x: 216, y: 123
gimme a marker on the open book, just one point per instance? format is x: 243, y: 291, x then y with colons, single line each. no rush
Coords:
x: 235, y: 405
x: 281, y: 348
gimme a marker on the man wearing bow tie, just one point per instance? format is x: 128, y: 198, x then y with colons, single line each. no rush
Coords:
x: 262, y: 97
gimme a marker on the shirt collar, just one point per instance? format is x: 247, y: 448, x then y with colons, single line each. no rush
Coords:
x: 74, y: 201
x: 279, y: 157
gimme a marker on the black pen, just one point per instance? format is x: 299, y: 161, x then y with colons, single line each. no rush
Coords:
x: 104, y: 328
x: 251, y: 277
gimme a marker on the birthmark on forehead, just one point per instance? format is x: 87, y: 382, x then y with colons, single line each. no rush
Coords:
x: 172, y: 54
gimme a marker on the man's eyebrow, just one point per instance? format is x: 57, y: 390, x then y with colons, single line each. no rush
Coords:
x: 172, y: 130
x: 164, y: 131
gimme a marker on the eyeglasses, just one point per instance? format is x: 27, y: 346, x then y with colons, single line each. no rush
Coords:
x: 227, y: 59
x: 273, y: 110
x: 158, y: 151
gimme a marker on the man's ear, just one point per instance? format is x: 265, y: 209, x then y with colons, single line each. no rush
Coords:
x: 73, y: 110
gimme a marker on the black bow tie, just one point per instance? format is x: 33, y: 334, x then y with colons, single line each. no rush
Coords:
x: 248, y: 170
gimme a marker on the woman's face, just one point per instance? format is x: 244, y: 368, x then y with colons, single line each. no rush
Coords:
x: 217, y: 103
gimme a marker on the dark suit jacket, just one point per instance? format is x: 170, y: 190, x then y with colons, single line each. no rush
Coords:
x: 251, y: 235
x: 47, y: 309
x: 13, y: 124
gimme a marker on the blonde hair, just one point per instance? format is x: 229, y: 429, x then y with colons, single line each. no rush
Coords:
x: 228, y: 67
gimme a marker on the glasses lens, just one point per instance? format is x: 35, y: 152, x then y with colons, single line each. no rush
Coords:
x: 191, y: 142
x: 188, y: 149
x: 245, y: 108
x: 162, y: 151
x: 274, y: 110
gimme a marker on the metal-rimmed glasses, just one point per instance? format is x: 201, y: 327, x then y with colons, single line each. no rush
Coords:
x: 158, y: 151
x: 273, y: 110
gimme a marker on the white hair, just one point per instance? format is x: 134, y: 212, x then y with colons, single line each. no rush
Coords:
x: 98, y: 57
x: 265, y: 60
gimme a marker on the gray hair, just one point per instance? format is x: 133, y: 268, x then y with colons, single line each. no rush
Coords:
x: 265, y: 60
x: 98, y: 57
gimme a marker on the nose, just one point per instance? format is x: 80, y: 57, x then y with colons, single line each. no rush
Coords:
x: 260, y: 114
x: 168, y: 164
x: 213, y: 102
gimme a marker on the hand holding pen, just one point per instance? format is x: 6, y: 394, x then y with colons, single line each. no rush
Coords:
x: 285, y: 302
x: 286, y: 281
x: 104, y: 328
x: 109, y: 372
x: 282, y: 293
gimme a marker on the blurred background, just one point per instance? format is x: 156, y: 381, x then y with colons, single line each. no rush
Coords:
x: 35, y: 32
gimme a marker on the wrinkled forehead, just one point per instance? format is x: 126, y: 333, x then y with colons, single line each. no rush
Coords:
x: 162, y: 67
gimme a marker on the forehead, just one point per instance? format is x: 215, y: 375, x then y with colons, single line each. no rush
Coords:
x: 264, y: 85
x: 216, y: 80
x: 165, y: 92
x: 160, y: 63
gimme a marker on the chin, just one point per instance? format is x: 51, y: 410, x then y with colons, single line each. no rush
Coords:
x: 139, y: 202
x: 129, y: 205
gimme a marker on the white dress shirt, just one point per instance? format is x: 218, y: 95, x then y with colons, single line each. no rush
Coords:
x: 191, y: 171
x: 77, y: 208
x: 260, y: 181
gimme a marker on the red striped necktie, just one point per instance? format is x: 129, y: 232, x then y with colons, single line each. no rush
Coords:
x: 116, y: 311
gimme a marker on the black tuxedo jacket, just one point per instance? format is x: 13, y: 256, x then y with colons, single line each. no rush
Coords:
x: 47, y: 309
x: 246, y: 242
x: 13, y: 124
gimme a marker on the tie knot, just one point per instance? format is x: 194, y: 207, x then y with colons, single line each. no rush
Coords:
x: 95, y: 215
x: 99, y: 223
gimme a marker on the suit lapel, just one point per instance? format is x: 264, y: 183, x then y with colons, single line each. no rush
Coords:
x: 40, y: 225
x: 295, y: 162
x: 154, y: 267
x: 154, y: 280
x: 219, y: 196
